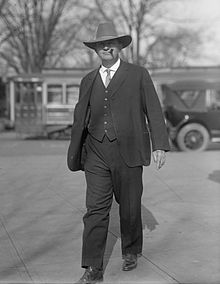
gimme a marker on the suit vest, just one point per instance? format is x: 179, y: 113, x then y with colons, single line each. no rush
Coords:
x: 101, y: 122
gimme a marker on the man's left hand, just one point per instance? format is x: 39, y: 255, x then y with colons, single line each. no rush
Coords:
x: 159, y: 158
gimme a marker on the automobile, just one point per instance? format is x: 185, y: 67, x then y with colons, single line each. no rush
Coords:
x: 192, y: 113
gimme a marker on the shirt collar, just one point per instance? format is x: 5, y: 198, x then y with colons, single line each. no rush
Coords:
x: 113, y: 68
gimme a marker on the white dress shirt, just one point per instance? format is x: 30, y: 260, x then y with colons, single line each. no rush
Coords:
x: 113, y: 69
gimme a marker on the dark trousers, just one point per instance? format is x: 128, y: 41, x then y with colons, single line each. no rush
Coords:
x: 108, y: 175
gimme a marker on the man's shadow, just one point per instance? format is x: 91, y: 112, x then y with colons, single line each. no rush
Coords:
x: 148, y: 221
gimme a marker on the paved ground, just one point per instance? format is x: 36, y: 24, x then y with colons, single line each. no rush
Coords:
x: 42, y: 204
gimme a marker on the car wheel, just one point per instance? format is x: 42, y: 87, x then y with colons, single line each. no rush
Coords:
x: 193, y: 137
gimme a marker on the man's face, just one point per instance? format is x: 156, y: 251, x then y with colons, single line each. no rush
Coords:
x: 108, y: 50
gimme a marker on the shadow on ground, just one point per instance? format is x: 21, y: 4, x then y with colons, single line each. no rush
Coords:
x: 148, y: 221
x: 215, y: 176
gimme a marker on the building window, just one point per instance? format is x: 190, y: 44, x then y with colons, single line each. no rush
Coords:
x: 54, y: 94
x: 72, y: 93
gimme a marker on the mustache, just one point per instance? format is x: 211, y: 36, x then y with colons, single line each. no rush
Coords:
x: 110, y: 50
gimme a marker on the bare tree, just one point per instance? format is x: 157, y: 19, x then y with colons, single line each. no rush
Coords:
x: 173, y: 49
x: 49, y: 33
x: 142, y: 19
x: 37, y: 33
x: 2, y: 3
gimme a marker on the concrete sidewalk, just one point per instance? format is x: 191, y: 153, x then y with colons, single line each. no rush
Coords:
x: 42, y: 204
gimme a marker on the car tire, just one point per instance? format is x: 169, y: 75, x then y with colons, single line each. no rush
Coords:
x: 193, y: 137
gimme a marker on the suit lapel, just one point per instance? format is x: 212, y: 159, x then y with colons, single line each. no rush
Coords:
x: 118, y: 79
x: 115, y: 83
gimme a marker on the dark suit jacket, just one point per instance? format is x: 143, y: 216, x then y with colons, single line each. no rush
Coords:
x: 133, y: 99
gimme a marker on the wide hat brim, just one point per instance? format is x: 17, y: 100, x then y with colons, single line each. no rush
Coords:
x: 125, y: 40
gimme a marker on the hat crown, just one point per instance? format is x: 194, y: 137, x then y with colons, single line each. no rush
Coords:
x: 106, y: 30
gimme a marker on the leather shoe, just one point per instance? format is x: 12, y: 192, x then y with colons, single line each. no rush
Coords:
x: 91, y: 276
x: 130, y: 262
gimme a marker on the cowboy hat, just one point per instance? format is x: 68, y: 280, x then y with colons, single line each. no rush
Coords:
x: 106, y: 31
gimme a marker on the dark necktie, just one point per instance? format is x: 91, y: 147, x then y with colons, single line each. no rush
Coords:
x: 108, y: 77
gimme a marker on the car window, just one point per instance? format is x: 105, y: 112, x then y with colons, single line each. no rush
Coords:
x: 214, y: 100
x: 189, y: 97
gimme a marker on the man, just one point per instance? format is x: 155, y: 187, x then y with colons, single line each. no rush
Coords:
x: 112, y: 142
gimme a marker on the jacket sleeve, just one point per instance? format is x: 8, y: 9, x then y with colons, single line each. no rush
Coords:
x: 76, y: 114
x: 75, y: 154
x: 153, y: 111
